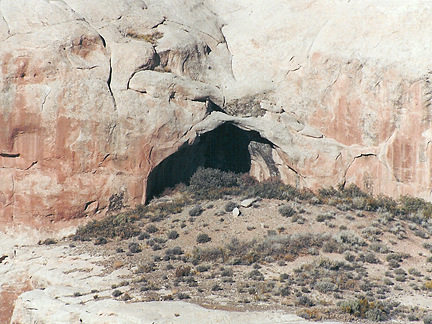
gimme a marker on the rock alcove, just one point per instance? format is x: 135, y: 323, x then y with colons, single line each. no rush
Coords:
x: 227, y: 148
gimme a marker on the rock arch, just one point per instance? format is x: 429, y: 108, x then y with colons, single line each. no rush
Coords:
x: 227, y: 148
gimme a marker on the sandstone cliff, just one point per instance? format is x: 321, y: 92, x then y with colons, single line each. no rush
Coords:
x: 105, y: 103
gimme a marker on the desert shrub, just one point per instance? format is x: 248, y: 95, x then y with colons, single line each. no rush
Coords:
x: 428, y: 285
x: 304, y: 301
x: 146, y: 268
x: 413, y: 205
x: 285, y: 290
x: 182, y: 271
x: 351, y: 191
x: 48, y: 241
x: 208, y: 254
x: 116, y: 293
x: 100, y: 241
x: 172, y: 235
x: 400, y: 271
x: 149, y: 38
x: 134, y: 247
x: 151, y: 229
x: 414, y: 272
x: 400, y: 278
x: 285, y: 247
x: 323, y: 217
x: 349, y: 256
x: 116, y: 202
x: 342, y: 207
x: 279, y: 246
x: 196, y: 210
x: 202, y: 268
x: 349, y: 239
x: 155, y: 240
x: 327, y: 192
x: 331, y: 246
x: 125, y: 297
x: 203, y: 238
x: 382, y: 202
x: 325, y: 286
x: 420, y: 233
x: 271, y: 232
x: 376, y: 314
x: 370, y: 232
x: 256, y: 275
x: 427, y: 246
x: 273, y: 189
x: 182, y: 295
x: 379, y: 247
x: 112, y: 226
x: 364, y: 309
x: 358, y: 203
x: 156, y: 247
x: 177, y: 250
x: 398, y: 257
x: 159, y: 211
x: 216, y: 287
x: 213, y: 183
x: 229, y: 206
x: 427, y: 319
x: 143, y: 235
x: 286, y: 211
x: 371, y: 258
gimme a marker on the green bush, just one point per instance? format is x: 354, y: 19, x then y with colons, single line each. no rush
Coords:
x: 229, y: 206
x: 196, y: 210
x: 323, y: 217
x: 121, y: 225
x: 116, y: 293
x: 414, y: 272
x: 256, y: 275
x: 272, y: 189
x: 304, y: 301
x: 203, y: 238
x: 207, y: 183
x: 151, y: 229
x: 427, y: 319
x: 100, y: 241
x: 325, y: 286
x: 286, y: 211
x: 172, y: 235
x: 143, y: 236
x: 413, y: 205
x: 134, y: 247
x: 364, y: 309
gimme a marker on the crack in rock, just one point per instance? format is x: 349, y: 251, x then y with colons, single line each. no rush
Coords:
x: 10, y: 155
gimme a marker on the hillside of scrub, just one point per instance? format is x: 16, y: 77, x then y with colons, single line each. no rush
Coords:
x: 230, y: 242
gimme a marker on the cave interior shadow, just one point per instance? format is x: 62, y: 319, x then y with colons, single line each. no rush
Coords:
x: 225, y: 148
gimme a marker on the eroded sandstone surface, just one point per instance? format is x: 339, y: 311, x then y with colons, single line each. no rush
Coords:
x: 94, y: 96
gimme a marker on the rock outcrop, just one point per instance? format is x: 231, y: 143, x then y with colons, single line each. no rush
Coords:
x: 94, y: 96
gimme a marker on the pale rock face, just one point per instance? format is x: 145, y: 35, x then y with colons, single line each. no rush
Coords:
x: 348, y: 70
x: 75, y: 134
x: 95, y: 95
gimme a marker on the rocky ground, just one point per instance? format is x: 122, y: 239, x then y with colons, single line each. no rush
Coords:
x: 319, y: 261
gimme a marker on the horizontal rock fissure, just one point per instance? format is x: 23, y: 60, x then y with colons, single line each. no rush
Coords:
x: 10, y: 155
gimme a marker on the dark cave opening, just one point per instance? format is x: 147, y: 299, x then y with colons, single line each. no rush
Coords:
x: 227, y: 148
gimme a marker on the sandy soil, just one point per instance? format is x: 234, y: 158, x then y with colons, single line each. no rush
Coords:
x: 112, y: 272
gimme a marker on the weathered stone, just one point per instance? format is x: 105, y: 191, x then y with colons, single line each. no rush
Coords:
x: 236, y: 212
x: 247, y: 202
x: 94, y: 96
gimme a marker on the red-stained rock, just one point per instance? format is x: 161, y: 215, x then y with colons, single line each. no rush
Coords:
x: 93, y: 98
